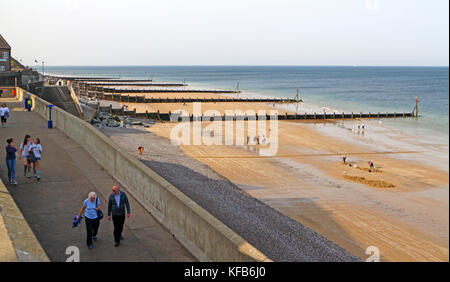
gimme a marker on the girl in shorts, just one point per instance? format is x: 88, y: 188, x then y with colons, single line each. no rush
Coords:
x: 36, y: 148
x: 24, y: 149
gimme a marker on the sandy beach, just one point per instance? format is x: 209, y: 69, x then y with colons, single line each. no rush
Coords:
x: 401, y: 208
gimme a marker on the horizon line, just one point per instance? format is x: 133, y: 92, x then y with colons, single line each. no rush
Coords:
x: 173, y: 65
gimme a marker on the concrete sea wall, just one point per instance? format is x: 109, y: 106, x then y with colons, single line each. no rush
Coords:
x: 202, y: 234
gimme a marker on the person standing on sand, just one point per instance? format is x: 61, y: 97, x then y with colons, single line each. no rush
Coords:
x: 371, y: 167
x: 4, y: 113
x: 117, y: 202
x: 90, y: 208
x: 24, y: 152
x: 11, y: 161
x: 36, y: 148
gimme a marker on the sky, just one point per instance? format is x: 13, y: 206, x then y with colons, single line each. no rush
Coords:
x: 228, y: 32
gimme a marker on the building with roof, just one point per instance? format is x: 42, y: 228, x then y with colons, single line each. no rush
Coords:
x: 5, y: 55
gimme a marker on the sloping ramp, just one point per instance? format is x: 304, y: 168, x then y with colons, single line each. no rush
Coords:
x: 61, y: 97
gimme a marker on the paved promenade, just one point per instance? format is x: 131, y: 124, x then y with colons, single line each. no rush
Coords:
x: 68, y: 174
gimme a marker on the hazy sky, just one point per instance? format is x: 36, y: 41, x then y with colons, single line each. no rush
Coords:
x: 228, y: 32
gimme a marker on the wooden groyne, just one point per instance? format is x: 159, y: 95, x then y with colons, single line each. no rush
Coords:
x: 85, y: 88
x: 115, y: 80
x: 106, y: 83
x: 176, y: 117
x: 143, y: 99
x: 80, y: 78
x: 135, y: 90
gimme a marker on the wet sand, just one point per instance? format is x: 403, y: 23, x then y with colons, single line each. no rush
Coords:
x: 307, y: 181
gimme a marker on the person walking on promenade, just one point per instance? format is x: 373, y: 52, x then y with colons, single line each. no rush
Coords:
x: 4, y: 113
x: 117, y: 202
x: 11, y: 161
x: 90, y: 207
x: 36, y: 148
x: 24, y: 153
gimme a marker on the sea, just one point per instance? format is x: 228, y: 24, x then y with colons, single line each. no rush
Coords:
x: 324, y: 88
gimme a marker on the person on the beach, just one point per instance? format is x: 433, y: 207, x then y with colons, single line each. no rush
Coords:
x: 117, y: 203
x: 371, y: 167
x: 257, y: 139
x: 4, y: 113
x: 90, y: 208
x: 24, y: 153
x: 11, y: 161
x: 344, y: 159
x: 36, y: 148
x: 248, y: 139
x: 264, y: 139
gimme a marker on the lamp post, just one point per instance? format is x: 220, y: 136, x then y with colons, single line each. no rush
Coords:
x: 43, y: 68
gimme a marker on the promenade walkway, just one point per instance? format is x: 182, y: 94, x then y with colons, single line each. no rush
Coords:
x: 68, y: 174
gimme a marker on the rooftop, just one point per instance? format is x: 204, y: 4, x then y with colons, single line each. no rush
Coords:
x: 3, y: 43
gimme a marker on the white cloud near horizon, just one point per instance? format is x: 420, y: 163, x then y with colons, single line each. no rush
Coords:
x: 231, y: 32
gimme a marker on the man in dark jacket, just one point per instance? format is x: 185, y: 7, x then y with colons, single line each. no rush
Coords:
x: 117, y: 202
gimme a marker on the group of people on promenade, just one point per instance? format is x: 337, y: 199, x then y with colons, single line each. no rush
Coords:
x: 117, y: 203
x: 30, y: 151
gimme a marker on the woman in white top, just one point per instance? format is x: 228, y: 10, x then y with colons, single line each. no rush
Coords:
x: 4, y: 113
x: 24, y: 149
x: 36, y: 148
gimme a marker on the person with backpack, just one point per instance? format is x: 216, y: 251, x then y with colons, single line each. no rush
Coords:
x: 36, y: 150
x: 92, y: 214
x: 26, y: 155
x: 4, y: 114
x: 11, y: 161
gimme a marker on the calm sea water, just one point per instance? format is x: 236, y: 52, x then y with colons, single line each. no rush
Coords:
x: 366, y: 89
